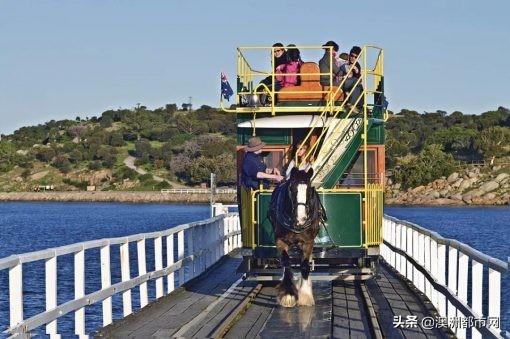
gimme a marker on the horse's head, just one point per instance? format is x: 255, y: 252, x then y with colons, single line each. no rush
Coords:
x: 300, y: 194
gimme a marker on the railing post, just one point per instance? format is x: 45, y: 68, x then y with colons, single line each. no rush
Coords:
x: 180, y: 255
x: 16, y: 294
x: 392, y: 241
x: 428, y: 285
x: 396, y: 240
x: 209, y: 236
x: 409, y: 251
x: 403, y: 244
x: 170, y: 261
x: 452, y: 282
x: 79, y: 291
x: 106, y: 282
x: 421, y: 261
x: 463, y: 289
x: 125, y: 276
x: 219, y: 240
x: 476, y: 293
x: 495, y: 298
x: 416, y: 254
x: 189, y: 243
x: 225, y: 236
x: 441, y: 278
x: 238, y: 228
x: 142, y: 269
x: 51, y: 291
x: 230, y: 237
x: 197, y: 246
x: 158, y: 263
x: 433, y: 270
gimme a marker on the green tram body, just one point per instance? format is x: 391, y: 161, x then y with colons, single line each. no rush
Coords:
x: 352, y: 200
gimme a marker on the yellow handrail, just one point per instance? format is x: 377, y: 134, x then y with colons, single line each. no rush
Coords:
x: 373, y: 214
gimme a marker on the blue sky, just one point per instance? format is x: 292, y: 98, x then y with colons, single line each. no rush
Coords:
x: 60, y: 59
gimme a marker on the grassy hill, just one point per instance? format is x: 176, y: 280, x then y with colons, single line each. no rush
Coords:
x: 142, y: 149
x: 138, y: 149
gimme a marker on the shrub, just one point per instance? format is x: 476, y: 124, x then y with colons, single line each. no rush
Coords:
x: 94, y: 165
x: 163, y: 184
x: 62, y: 164
x: 129, y: 136
x: 79, y: 184
x: 125, y: 173
x: 430, y: 164
x: 116, y: 140
x: 145, y: 177
x: 45, y: 154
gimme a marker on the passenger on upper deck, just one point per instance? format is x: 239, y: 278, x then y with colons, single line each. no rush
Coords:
x: 254, y: 169
x: 280, y: 57
x: 329, y: 63
x: 352, y: 77
x: 291, y: 67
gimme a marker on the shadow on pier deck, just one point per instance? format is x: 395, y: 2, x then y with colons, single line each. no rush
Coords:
x: 220, y: 304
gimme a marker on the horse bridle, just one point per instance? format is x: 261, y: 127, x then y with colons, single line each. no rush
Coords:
x: 294, y: 206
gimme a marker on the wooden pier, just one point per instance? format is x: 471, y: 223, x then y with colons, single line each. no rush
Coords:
x: 220, y: 304
x: 198, y: 292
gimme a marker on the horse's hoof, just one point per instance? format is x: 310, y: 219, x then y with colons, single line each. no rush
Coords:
x: 287, y: 300
x: 305, y: 293
x: 305, y: 299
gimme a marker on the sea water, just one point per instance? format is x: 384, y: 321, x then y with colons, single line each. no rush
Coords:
x: 31, y: 226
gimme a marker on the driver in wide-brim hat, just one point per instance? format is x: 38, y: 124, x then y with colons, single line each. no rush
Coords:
x: 254, y: 169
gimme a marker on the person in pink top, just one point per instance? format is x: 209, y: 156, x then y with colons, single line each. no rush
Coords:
x: 291, y: 67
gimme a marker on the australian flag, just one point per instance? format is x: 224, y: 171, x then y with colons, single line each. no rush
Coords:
x: 226, y: 90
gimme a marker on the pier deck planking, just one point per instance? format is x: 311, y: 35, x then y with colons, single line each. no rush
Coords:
x: 202, y: 306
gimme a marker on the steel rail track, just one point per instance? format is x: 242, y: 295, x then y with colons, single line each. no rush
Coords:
x: 236, y: 314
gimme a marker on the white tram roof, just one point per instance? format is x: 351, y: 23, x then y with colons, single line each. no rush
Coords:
x: 287, y: 121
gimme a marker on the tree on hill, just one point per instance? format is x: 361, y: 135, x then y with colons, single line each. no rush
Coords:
x: 431, y: 163
x: 494, y: 142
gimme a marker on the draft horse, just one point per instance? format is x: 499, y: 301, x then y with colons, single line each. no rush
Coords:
x: 296, y: 213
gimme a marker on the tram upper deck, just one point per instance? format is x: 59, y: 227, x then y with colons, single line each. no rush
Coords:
x: 310, y: 95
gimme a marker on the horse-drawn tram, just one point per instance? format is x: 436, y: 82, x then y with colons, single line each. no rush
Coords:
x: 329, y: 123
x: 310, y: 163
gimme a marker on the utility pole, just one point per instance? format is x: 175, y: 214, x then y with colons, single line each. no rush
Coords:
x: 213, y: 192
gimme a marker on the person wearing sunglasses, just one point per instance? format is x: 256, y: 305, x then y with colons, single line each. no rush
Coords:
x: 352, y: 78
x: 280, y: 57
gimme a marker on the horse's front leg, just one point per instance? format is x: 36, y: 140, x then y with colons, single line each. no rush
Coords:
x: 305, y: 294
x: 286, y: 291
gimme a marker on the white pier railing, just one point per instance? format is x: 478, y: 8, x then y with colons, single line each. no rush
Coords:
x: 206, y: 242
x: 439, y: 267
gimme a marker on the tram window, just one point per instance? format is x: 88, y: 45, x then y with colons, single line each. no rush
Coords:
x: 355, y: 175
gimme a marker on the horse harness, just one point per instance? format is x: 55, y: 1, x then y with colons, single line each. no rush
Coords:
x: 283, y: 213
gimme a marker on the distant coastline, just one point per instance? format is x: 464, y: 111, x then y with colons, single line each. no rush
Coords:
x: 115, y: 196
x: 196, y: 198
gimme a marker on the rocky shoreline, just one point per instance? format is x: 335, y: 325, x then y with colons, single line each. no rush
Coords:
x: 115, y: 196
x: 473, y: 186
